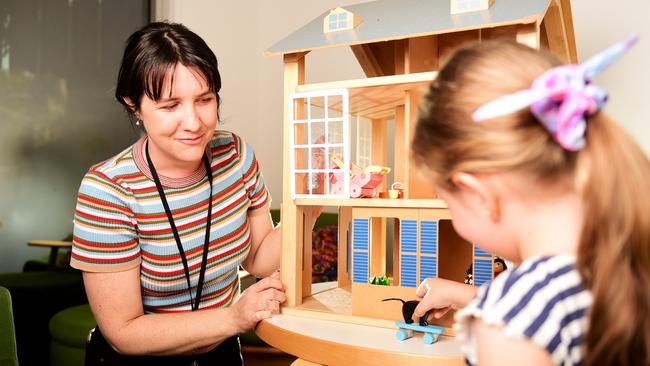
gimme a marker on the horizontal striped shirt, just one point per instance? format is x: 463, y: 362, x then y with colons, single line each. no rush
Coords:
x: 542, y: 301
x: 120, y: 223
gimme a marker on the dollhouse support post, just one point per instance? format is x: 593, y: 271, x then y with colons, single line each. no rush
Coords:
x: 292, y: 220
x: 400, y: 149
x: 569, y: 32
x: 415, y: 185
x: 379, y: 153
x: 378, y: 246
x: 343, y: 272
x: 307, y: 250
x: 555, y: 32
x: 396, y: 251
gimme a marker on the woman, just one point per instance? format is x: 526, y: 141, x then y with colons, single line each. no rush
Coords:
x: 161, y: 277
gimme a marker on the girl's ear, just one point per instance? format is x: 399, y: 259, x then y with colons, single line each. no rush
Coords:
x: 477, y: 193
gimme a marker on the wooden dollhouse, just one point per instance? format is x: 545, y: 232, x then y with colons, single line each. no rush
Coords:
x: 400, y: 46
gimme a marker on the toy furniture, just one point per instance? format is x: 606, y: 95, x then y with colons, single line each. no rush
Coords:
x: 431, y: 332
x: 400, y: 45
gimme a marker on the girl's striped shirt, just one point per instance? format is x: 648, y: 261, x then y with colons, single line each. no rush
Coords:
x: 120, y: 223
x: 542, y: 301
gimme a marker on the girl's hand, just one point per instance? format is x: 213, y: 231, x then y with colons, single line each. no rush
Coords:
x: 437, y: 296
x: 260, y: 301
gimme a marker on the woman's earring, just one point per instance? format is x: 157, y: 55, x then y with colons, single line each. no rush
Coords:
x: 138, y: 122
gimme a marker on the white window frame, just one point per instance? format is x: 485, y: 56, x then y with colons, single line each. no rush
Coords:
x: 345, y: 119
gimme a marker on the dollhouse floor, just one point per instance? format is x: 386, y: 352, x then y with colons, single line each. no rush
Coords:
x: 329, y: 302
x: 329, y: 298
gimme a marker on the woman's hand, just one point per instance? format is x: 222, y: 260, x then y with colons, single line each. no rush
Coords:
x: 259, y: 301
x: 439, y: 295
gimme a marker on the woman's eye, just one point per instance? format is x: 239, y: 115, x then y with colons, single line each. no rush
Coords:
x: 169, y: 107
x: 205, y: 100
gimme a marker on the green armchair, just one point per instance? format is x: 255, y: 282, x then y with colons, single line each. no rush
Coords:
x: 8, y: 350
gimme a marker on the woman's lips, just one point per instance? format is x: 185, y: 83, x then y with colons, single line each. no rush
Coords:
x: 190, y: 140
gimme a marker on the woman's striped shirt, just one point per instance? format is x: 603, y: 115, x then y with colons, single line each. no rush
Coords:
x: 120, y: 223
x: 542, y: 301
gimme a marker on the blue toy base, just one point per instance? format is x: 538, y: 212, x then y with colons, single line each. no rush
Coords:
x: 431, y: 332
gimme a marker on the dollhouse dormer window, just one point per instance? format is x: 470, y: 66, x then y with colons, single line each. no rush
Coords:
x: 340, y: 19
x: 466, y: 6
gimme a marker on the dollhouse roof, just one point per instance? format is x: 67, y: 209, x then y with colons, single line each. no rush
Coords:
x: 386, y: 20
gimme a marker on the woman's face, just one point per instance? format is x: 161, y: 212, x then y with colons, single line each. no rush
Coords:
x: 180, y: 124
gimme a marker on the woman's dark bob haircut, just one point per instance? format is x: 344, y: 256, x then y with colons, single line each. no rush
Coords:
x: 154, y: 51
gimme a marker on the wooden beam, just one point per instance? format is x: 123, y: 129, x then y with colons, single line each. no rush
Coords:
x: 508, y: 32
x: 377, y: 246
x: 400, y: 59
x: 382, y: 81
x: 415, y: 186
x: 422, y: 54
x: 291, y: 257
x: 307, y: 251
x: 343, y: 275
x: 367, y: 59
x: 379, y: 151
x: 450, y: 42
x: 399, y: 173
x: 294, y: 57
x: 555, y: 32
x: 567, y: 16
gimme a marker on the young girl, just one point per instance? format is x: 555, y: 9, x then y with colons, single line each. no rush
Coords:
x: 531, y: 171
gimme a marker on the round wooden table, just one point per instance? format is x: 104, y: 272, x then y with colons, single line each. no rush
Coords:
x: 334, y: 343
x: 54, y: 246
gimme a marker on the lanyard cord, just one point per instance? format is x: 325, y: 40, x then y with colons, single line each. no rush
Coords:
x: 199, y: 286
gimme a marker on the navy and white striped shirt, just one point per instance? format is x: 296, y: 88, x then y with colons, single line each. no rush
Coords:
x: 542, y: 301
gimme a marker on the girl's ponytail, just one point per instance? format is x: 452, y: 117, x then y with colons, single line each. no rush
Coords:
x: 613, y: 176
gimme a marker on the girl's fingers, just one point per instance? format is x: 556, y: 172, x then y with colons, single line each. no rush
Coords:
x: 439, y: 313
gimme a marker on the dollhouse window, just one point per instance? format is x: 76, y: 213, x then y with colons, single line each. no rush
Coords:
x: 465, y: 6
x: 319, y: 145
x: 340, y: 19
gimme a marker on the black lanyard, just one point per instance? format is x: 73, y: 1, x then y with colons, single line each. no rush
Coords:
x: 199, y: 286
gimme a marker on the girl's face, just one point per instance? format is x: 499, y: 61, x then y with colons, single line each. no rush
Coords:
x: 181, y: 124
x: 474, y: 224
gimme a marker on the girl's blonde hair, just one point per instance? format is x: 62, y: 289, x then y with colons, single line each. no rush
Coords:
x: 611, y: 174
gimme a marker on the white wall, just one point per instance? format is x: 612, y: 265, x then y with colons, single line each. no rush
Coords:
x: 239, y: 31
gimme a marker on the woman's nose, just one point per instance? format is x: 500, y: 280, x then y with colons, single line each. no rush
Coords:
x: 191, y: 119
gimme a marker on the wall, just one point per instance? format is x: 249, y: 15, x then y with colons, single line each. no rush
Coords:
x: 599, y: 23
x: 252, y: 91
x: 239, y: 32
x: 58, y: 116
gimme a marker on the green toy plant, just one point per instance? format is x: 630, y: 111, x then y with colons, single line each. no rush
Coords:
x: 383, y: 280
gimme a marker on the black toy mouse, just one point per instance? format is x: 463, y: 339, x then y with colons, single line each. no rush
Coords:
x: 408, y: 308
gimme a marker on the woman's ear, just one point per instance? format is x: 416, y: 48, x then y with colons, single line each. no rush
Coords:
x: 476, y: 192
x: 130, y: 103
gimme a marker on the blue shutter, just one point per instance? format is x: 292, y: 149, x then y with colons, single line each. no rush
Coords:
x: 482, y: 271
x: 408, y: 258
x: 360, y: 251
